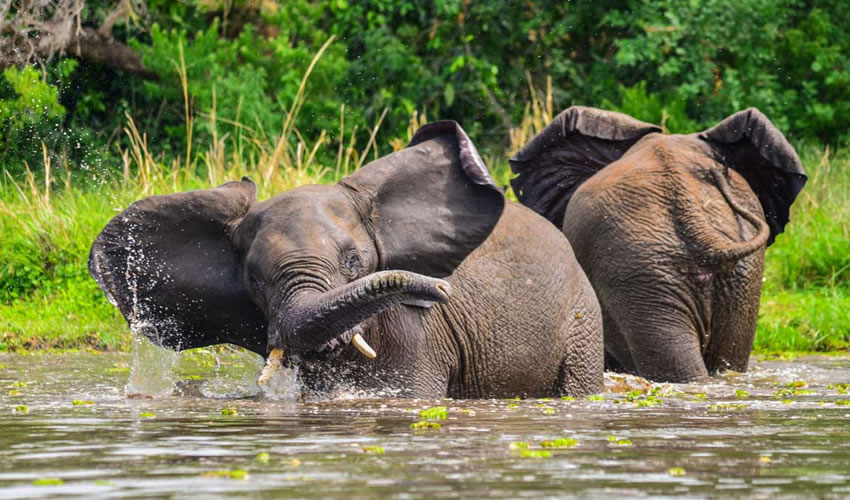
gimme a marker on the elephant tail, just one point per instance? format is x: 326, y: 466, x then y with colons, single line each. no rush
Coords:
x: 712, y: 247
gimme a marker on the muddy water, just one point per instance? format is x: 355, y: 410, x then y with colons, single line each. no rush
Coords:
x: 153, y: 424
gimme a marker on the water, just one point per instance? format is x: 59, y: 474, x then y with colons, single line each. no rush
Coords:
x: 130, y: 443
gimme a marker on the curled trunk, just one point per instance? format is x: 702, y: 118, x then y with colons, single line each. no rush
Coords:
x: 711, y: 245
x: 313, y: 320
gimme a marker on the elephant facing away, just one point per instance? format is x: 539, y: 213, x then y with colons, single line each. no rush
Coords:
x: 670, y: 229
x: 417, y: 255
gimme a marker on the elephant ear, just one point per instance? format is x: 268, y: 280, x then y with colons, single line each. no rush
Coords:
x: 578, y: 143
x: 430, y: 204
x: 168, y: 264
x: 750, y: 144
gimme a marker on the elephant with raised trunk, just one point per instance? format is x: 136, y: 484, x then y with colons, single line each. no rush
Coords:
x: 670, y: 229
x: 417, y: 256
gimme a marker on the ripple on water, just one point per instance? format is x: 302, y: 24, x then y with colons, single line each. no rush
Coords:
x: 759, y: 433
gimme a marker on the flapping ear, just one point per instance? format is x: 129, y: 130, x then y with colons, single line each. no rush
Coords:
x: 750, y: 144
x: 578, y: 143
x: 168, y: 264
x: 430, y: 204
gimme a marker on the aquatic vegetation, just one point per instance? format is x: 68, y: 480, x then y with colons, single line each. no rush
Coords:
x: 227, y: 474
x: 742, y: 394
x: 262, y: 457
x: 434, y: 413
x: 699, y: 395
x: 843, y: 402
x: 596, y: 397
x: 549, y: 411
x: 147, y: 414
x: 787, y: 401
x: 19, y: 384
x: 535, y: 454
x: 619, y: 442
x: 676, y: 471
x: 229, y: 412
x: 14, y: 392
x: 764, y: 459
x: 559, y: 443
x: 519, y: 445
x: 726, y: 407
x: 513, y: 406
x: 567, y: 398
x: 424, y: 425
x: 48, y: 481
x: 840, y: 388
x: 22, y: 409
x: 373, y: 449
x: 82, y: 402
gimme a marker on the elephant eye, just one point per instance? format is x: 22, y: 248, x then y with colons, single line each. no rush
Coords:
x: 351, y: 264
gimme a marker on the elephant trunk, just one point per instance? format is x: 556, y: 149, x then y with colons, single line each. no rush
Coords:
x: 713, y: 247
x: 312, y: 320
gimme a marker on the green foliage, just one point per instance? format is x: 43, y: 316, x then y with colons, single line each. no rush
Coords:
x: 28, y: 107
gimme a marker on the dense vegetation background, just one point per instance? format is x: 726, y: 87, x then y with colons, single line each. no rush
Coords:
x: 104, y: 102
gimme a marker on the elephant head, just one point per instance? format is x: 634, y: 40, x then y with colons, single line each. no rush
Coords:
x: 670, y: 229
x: 300, y: 270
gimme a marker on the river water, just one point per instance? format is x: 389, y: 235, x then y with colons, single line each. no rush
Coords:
x: 157, y: 424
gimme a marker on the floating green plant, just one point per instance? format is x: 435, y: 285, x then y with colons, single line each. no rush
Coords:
x: 787, y: 401
x: 82, y: 402
x: 22, y: 409
x: 619, y: 442
x: 262, y: 457
x: 535, y: 454
x: 596, y: 397
x: 229, y: 412
x: 726, y: 407
x: 48, y: 481
x: 699, y: 395
x: 840, y: 388
x: 377, y: 450
x: 559, y: 443
x: 549, y: 411
x: 19, y: 384
x: 103, y: 482
x: 843, y: 402
x: 147, y: 414
x: 567, y: 398
x: 424, y: 425
x: 434, y: 413
x: 742, y: 394
x: 14, y: 392
x: 676, y: 471
x: 513, y: 406
x: 227, y: 474
x: 519, y: 445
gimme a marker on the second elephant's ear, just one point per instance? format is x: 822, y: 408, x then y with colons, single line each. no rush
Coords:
x: 578, y: 143
x: 750, y: 144
x: 168, y: 264
x: 430, y: 204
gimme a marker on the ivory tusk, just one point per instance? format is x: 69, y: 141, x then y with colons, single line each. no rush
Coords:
x: 272, y: 364
x: 361, y: 345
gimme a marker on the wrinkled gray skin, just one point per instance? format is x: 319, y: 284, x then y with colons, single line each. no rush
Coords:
x: 461, y: 293
x: 670, y: 229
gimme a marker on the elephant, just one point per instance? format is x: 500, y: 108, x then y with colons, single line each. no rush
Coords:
x: 670, y: 229
x: 417, y: 255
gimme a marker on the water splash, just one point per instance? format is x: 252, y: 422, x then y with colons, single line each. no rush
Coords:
x: 152, y: 371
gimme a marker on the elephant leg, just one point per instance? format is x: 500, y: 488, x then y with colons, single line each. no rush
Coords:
x: 735, y: 305
x: 661, y: 336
